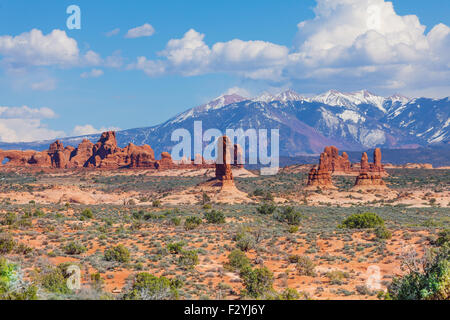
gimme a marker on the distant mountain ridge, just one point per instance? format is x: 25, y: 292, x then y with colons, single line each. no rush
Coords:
x: 351, y: 121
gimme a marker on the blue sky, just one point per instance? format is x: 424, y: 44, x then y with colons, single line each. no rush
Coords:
x: 102, y: 85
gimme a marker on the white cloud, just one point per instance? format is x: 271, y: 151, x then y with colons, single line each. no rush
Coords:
x: 26, y: 112
x: 191, y: 56
x: 145, y: 30
x: 348, y: 45
x: 239, y: 91
x: 113, y: 32
x: 36, y: 49
x: 44, y: 85
x: 94, y: 73
x: 83, y: 130
x: 366, y: 42
x: 92, y: 58
x: 23, y: 124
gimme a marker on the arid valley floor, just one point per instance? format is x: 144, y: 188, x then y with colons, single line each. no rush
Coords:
x: 75, y: 216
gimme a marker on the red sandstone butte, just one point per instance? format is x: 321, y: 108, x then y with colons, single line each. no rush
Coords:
x: 370, y: 176
x: 105, y: 154
x: 336, y: 163
x: 224, y: 158
x: 320, y: 176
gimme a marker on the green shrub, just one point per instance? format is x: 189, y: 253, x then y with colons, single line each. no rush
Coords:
x: 149, y: 287
x: 74, y: 248
x: 237, y: 260
x: 119, y: 253
x: 337, y: 276
x: 192, y: 222
x: 246, y: 242
x: 306, y: 266
x: 289, y: 215
x: 216, y: 217
x: 293, y: 229
x: 289, y: 294
x: 9, y: 288
x: 10, y: 219
x: 138, y: 215
x: 366, y: 220
x: 176, y: 247
x: 443, y: 238
x: 257, y: 282
x: 7, y: 244
x: 54, y: 279
x: 87, y: 214
x: 266, y: 209
x: 38, y: 213
x: 188, y: 259
x: 97, y: 281
x: 430, y: 283
x: 176, y: 221
x: 382, y: 233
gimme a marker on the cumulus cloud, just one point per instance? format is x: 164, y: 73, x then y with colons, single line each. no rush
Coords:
x: 348, y: 44
x: 94, y: 73
x: 35, y: 49
x: 24, y: 124
x: 191, y: 56
x: 146, y: 30
x: 83, y: 130
x: 367, y: 40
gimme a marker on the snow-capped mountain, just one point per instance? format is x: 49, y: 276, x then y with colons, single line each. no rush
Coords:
x: 351, y: 121
x: 284, y: 97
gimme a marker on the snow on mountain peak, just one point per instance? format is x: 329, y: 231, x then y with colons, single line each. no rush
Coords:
x: 284, y: 96
x: 398, y: 98
x: 352, y: 99
x: 220, y: 102
x: 264, y: 97
x: 289, y: 95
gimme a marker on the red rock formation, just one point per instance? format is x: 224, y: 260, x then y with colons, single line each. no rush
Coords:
x: 370, y: 176
x: 166, y: 162
x: 378, y: 167
x: 82, y: 154
x: 364, y: 163
x: 104, y: 154
x: 141, y: 157
x: 337, y: 164
x: 40, y: 159
x: 59, y: 156
x: 224, y: 159
x: 369, y: 181
x: 375, y: 167
x: 320, y: 176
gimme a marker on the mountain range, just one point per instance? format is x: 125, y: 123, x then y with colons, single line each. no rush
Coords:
x: 351, y: 121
